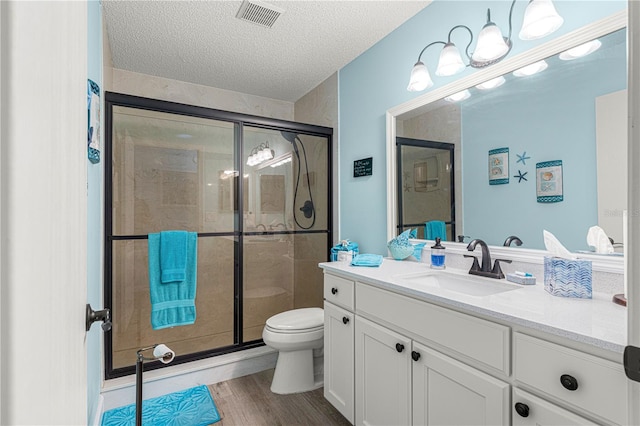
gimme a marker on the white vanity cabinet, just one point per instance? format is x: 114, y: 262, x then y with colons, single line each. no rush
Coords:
x: 383, y: 375
x: 402, y: 381
x: 586, y: 383
x: 339, y: 327
x: 448, y: 392
x: 529, y: 410
x: 394, y: 359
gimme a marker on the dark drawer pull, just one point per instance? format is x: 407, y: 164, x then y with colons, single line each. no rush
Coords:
x: 334, y: 290
x: 415, y: 355
x: 569, y: 382
x: 345, y: 320
x: 399, y: 347
x: 522, y: 409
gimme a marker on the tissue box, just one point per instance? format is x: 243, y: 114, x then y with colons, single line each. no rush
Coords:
x: 567, y: 278
x: 346, y: 245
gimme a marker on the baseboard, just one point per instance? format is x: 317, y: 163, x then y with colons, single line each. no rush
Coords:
x: 122, y: 391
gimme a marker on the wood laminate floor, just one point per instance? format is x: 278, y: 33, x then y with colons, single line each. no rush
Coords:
x: 249, y: 401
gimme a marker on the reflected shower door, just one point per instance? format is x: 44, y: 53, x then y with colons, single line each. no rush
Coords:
x: 171, y: 172
x: 425, y: 185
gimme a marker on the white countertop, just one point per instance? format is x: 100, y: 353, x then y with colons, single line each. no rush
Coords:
x: 597, y: 321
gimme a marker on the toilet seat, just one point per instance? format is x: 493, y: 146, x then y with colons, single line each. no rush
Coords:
x: 304, y: 320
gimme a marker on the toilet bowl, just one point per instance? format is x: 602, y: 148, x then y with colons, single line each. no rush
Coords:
x: 298, y: 336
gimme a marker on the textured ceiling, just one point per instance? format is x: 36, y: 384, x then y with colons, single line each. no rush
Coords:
x: 203, y: 42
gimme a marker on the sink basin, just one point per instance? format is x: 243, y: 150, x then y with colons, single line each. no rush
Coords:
x: 470, y: 286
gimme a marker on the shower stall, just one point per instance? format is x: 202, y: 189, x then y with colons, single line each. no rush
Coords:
x: 256, y: 190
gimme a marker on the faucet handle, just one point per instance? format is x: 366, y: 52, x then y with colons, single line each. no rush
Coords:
x: 496, y: 267
x: 476, y: 265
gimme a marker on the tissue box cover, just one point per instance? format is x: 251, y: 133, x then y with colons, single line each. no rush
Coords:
x: 341, y: 246
x: 567, y: 278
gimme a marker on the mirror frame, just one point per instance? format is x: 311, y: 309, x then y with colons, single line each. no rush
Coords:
x: 586, y: 33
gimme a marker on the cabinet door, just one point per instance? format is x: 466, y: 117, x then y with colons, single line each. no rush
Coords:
x: 529, y: 410
x: 383, y: 375
x: 339, y: 359
x: 447, y: 392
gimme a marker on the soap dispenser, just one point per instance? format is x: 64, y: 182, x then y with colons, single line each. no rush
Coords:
x: 437, y: 255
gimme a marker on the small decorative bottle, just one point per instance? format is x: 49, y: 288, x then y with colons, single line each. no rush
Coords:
x: 437, y: 255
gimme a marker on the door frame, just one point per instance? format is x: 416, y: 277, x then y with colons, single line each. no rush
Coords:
x: 43, y: 205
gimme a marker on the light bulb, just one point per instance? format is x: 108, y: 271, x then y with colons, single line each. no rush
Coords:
x: 460, y: 96
x: 540, y: 20
x: 420, y: 78
x: 450, y: 61
x: 491, y: 44
x: 580, y: 51
x: 531, y: 69
x: 491, y: 84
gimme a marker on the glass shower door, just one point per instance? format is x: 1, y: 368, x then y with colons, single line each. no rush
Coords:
x: 171, y: 172
x: 285, y: 223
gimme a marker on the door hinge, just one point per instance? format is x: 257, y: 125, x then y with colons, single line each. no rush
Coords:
x: 631, y: 362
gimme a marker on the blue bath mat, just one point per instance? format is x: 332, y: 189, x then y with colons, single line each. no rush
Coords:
x: 191, y: 407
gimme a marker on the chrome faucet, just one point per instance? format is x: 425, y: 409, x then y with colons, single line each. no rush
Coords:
x: 512, y: 239
x: 484, y: 269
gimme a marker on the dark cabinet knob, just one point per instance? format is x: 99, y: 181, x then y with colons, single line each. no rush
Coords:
x: 415, y: 355
x: 399, y: 347
x: 334, y: 290
x: 345, y: 320
x: 522, y: 409
x: 569, y: 382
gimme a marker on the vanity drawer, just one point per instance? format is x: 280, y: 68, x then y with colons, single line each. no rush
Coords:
x: 448, y: 331
x: 599, y: 386
x: 339, y: 291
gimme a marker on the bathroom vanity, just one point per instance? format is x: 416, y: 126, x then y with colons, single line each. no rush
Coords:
x: 405, y: 344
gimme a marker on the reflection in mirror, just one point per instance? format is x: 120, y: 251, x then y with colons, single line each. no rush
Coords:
x: 571, y: 111
x: 426, y: 192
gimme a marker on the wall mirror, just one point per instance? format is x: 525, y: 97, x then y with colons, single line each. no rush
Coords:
x: 570, y: 117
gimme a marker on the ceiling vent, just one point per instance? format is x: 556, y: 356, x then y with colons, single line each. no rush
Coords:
x: 258, y: 12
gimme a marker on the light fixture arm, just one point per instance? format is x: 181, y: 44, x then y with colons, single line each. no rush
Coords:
x: 466, y: 50
x: 427, y: 46
x: 513, y: 3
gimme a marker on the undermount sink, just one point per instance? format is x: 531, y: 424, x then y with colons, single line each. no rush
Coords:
x: 470, y: 286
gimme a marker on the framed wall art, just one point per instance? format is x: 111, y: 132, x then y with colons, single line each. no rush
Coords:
x: 549, y: 181
x: 499, y: 166
x: 93, y: 126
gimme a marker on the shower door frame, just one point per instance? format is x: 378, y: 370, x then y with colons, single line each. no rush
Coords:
x: 239, y: 120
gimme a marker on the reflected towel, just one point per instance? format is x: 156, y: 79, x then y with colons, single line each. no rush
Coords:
x: 173, y: 256
x: 436, y: 228
x: 367, y: 260
x: 173, y: 303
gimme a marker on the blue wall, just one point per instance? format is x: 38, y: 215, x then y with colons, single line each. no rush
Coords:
x: 551, y: 116
x: 94, y: 218
x: 377, y: 81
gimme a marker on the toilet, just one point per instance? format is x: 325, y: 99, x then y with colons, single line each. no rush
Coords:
x: 298, y: 336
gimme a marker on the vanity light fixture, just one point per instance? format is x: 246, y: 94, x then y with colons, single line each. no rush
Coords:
x: 491, y: 84
x: 277, y: 161
x: 260, y: 154
x: 531, y: 69
x: 457, y: 97
x: 540, y: 20
x: 581, y: 51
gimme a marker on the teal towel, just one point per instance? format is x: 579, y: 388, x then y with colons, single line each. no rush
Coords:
x: 173, y: 303
x: 436, y: 228
x: 367, y: 260
x: 173, y: 256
